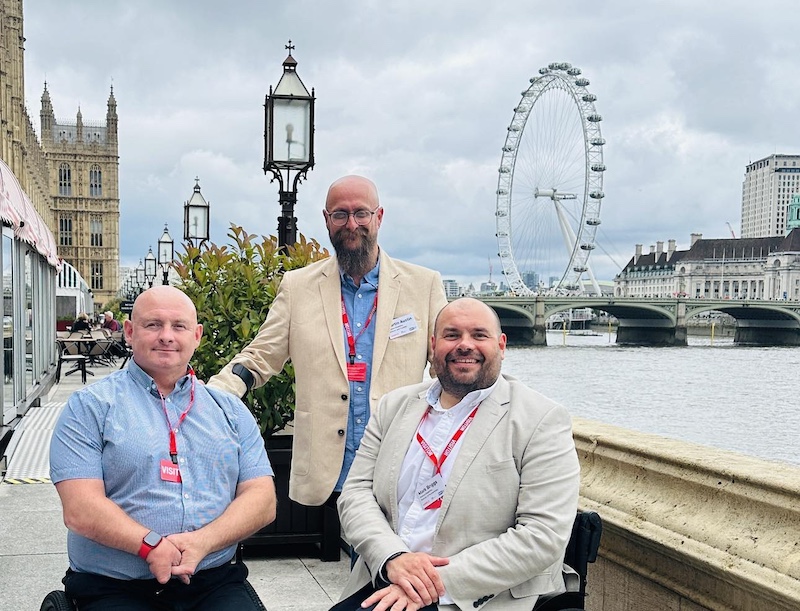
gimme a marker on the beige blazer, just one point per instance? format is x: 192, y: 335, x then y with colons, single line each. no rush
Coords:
x: 508, y: 507
x: 305, y: 324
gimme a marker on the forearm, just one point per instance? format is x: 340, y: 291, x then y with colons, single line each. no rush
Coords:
x: 89, y: 513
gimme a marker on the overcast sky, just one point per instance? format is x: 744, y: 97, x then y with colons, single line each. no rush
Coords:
x: 418, y: 96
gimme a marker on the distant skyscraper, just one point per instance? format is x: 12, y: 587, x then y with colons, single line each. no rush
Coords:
x: 451, y: 289
x: 767, y: 191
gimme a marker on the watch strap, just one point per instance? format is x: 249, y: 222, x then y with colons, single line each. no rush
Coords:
x: 146, y: 548
x: 244, y: 374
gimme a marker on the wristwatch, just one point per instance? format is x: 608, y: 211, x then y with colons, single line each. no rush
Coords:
x: 149, y: 543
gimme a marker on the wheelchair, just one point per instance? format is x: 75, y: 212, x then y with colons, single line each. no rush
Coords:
x: 581, y: 550
x: 57, y: 600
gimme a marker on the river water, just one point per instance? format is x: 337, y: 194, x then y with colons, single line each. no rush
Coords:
x: 743, y: 399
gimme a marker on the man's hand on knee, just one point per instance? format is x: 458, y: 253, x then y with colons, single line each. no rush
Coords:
x: 416, y: 574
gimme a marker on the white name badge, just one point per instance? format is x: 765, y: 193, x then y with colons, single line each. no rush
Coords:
x: 402, y: 325
x: 431, y: 492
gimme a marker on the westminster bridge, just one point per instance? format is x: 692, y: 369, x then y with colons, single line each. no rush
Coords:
x: 654, y: 322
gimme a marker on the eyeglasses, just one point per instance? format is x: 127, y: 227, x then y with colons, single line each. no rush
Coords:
x: 362, y: 217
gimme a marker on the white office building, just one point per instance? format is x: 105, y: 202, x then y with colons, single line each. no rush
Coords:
x: 767, y: 191
x: 744, y: 268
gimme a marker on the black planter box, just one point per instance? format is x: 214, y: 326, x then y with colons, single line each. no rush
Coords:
x: 295, y: 524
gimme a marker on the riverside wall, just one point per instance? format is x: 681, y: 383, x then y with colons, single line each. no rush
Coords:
x: 688, y: 527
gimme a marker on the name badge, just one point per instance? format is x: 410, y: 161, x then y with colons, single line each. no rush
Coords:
x: 170, y: 472
x: 403, y: 325
x: 357, y: 372
x: 430, y: 494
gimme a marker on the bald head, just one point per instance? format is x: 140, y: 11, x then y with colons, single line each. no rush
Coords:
x: 348, y: 185
x: 163, y: 294
x: 471, y: 308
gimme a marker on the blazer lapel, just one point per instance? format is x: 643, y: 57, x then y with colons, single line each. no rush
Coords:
x: 490, y: 412
x: 330, y: 288
x: 388, y: 294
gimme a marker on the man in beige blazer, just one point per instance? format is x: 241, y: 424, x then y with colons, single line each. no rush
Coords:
x: 481, y: 518
x: 390, y: 344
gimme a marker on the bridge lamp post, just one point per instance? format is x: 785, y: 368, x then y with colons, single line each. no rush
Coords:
x: 150, y: 267
x: 288, y: 142
x: 139, y: 277
x: 166, y: 253
x: 196, y: 217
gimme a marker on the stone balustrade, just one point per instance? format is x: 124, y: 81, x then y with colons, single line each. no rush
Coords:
x: 688, y: 527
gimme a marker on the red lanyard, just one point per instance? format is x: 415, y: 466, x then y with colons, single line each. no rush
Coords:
x: 449, y: 448
x: 173, y: 442
x: 351, y: 341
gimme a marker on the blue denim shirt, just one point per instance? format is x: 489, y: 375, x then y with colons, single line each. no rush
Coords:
x: 115, y: 430
x: 358, y: 302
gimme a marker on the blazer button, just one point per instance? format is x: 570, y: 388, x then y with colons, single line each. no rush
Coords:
x: 341, y: 432
x: 344, y: 397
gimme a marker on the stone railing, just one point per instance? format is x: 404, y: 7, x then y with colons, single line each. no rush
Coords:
x: 687, y: 526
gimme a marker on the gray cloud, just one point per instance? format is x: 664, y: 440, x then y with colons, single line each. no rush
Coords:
x: 418, y: 96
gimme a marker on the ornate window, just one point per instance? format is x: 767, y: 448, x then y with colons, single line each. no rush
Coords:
x: 64, y: 179
x: 65, y: 230
x: 96, y: 230
x: 95, y: 181
x: 97, y: 275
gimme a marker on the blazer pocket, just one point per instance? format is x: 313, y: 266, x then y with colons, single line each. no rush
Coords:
x: 503, y: 465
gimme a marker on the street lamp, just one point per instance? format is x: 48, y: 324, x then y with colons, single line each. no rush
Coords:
x: 166, y: 253
x: 196, y: 217
x: 288, y: 141
x: 150, y: 267
x: 140, y: 277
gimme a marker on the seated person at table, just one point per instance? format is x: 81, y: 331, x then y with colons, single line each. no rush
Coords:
x: 159, y: 476
x: 110, y: 323
x: 81, y: 323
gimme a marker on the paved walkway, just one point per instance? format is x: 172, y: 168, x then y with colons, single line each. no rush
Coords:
x: 33, y: 543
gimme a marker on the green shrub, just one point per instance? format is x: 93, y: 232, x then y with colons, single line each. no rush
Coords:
x: 232, y: 288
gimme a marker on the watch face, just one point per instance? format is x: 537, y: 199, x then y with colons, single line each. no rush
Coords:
x: 152, y: 538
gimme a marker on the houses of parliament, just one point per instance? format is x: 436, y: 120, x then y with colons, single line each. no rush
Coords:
x: 70, y: 171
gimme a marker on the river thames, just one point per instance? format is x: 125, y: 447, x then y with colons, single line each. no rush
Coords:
x: 742, y: 399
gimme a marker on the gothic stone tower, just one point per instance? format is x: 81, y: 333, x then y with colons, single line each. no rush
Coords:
x: 83, y: 165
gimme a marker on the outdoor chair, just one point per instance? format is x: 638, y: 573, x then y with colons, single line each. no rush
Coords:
x: 69, y: 353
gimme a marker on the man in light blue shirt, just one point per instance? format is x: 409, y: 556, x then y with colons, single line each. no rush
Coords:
x: 159, y: 476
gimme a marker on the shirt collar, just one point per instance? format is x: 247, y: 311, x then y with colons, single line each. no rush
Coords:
x: 469, y: 401
x: 143, y: 379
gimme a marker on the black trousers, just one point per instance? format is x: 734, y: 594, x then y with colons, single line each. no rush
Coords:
x: 221, y: 589
x: 353, y: 602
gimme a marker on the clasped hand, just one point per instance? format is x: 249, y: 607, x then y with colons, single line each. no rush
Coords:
x: 415, y: 583
x: 176, y: 556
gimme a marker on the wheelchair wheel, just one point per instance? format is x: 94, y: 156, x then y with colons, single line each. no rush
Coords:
x: 56, y: 601
x: 254, y: 596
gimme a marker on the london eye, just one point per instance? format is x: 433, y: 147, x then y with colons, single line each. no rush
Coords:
x: 550, y: 186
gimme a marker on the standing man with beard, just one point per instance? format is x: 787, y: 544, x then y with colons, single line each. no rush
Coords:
x: 465, y: 488
x: 355, y: 326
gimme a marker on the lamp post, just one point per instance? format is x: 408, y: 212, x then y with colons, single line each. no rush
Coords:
x: 196, y: 217
x: 288, y: 141
x: 166, y: 253
x: 139, y: 277
x: 150, y: 267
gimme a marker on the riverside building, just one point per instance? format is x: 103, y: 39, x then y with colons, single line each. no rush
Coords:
x: 767, y: 191
x: 71, y: 176
x: 736, y: 268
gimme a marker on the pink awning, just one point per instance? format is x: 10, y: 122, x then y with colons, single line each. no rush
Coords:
x: 18, y: 211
